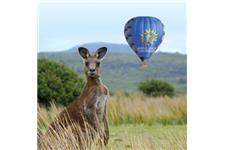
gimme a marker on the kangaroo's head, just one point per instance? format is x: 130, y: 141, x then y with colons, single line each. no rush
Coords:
x: 92, y: 62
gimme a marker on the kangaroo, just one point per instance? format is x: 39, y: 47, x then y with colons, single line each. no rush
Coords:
x: 91, y: 106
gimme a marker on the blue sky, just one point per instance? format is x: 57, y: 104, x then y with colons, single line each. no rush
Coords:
x: 64, y: 24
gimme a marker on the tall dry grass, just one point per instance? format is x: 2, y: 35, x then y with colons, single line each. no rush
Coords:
x: 138, y: 108
x: 65, y: 140
x: 133, y: 108
x: 70, y: 138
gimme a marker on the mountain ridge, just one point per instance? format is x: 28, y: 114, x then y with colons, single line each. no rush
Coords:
x: 112, y: 47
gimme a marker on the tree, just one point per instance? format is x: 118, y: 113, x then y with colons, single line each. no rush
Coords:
x: 57, y: 82
x: 156, y: 88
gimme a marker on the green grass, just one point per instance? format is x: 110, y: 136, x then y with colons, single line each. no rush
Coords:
x: 156, y: 136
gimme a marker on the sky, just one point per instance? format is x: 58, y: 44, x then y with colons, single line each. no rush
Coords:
x: 65, y: 24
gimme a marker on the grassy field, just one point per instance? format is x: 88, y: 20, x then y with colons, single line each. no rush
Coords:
x: 137, y: 122
x: 141, y: 136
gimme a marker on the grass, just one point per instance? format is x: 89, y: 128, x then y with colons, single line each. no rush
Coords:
x: 138, y: 108
x: 137, y: 122
x: 142, y: 136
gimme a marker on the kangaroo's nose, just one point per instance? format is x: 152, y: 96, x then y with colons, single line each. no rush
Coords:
x: 92, y: 70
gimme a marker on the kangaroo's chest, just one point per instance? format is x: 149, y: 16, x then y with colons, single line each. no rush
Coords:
x: 100, y: 102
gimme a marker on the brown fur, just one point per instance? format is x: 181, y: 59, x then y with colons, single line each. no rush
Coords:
x: 83, y: 109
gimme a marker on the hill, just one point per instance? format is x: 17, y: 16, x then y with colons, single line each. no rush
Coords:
x: 121, y: 71
x: 112, y: 47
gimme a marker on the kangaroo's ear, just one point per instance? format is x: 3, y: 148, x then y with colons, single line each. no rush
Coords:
x: 84, y: 52
x: 100, y: 53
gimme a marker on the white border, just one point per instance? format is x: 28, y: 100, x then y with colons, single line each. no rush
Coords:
x: 206, y: 74
x: 18, y: 79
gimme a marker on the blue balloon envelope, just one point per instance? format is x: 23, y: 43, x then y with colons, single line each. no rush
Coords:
x: 144, y: 35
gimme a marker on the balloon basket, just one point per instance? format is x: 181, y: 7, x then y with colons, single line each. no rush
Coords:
x: 144, y: 65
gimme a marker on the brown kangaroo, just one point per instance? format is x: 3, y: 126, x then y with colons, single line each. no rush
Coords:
x: 91, y: 106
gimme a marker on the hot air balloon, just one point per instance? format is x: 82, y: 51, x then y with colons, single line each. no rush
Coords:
x: 144, y: 35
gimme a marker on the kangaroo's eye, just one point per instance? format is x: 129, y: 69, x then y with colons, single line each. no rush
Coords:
x: 98, y: 63
x: 86, y: 63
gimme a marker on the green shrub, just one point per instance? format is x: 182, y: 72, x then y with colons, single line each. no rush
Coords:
x: 57, y: 82
x: 156, y: 88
